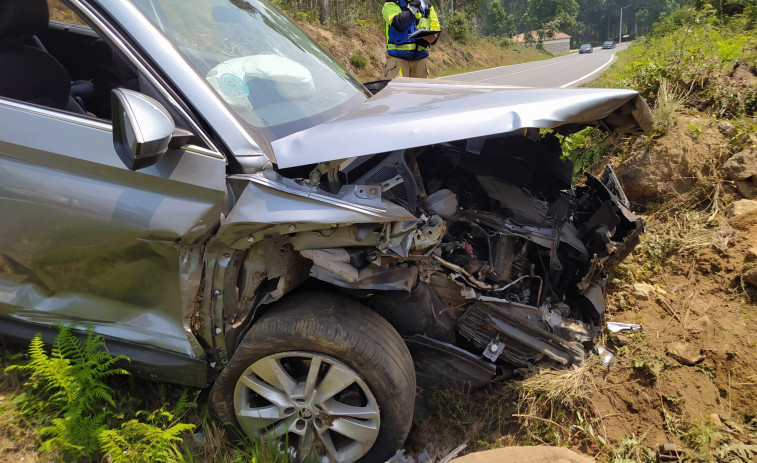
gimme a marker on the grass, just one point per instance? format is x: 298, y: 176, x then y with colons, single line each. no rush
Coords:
x: 551, y: 408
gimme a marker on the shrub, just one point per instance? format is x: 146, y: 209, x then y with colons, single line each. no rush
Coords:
x: 458, y: 28
x: 358, y: 61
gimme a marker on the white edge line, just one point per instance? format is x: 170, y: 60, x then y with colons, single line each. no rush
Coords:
x: 591, y: 73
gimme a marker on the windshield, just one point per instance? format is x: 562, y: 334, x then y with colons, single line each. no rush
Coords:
x: 265, y: 68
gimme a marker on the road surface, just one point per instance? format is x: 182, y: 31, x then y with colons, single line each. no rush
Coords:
x: 571, y: 70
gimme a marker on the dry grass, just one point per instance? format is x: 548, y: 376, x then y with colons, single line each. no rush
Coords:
x: 670, y: 101
x: 552, y: 407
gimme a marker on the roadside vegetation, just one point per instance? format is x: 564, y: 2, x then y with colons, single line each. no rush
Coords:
x: 687, y: 283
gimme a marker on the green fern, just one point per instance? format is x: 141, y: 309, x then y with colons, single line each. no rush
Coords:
x: 68, y: 386
x: 153, y: 441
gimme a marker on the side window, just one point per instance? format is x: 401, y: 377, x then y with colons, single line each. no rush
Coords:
x: 94, y: 68
x: 60, y: 12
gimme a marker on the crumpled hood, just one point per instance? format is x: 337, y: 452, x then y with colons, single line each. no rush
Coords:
x: 417, y: 112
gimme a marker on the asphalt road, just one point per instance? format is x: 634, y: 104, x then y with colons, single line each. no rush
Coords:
x: 571, y: 70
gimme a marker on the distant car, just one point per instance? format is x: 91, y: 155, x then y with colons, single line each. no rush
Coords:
x: 608, y: 44
x: 586, y: 48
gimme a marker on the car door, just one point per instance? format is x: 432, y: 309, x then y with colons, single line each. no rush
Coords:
x: 85, y: 241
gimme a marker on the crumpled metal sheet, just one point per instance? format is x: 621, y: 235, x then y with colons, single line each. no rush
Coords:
x: 417, y: 112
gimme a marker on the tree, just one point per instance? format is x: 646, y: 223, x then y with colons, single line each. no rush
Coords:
x: 497, y: 21
x: 325, y: 8
x: 552, y: 15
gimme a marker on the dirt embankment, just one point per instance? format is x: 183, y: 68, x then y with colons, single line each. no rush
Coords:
x: 362, y: 51
x: 690, y: 377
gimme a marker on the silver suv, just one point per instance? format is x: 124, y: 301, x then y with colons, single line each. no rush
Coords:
x: 227, y: 206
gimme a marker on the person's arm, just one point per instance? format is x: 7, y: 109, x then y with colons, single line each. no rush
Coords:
x: 433, y: 24
x: 396, y: 17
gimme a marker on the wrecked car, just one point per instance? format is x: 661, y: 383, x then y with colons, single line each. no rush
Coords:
x: 227, y: 206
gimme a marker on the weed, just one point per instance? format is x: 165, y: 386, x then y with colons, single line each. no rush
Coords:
x: 695, y: 130
x: 358, y: 61
x: 585, y: 149
x: 550, y: 398
x: 668, y: 104
x: 651, y: 366
x: 631, y: 450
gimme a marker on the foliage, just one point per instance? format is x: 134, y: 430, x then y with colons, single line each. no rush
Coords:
x: 458, y: 28
x: 497, y: 21
x: 69, y: 395
x: 358, y: 61
x: 689, y: 52
x: 68, y: 385
x: 585, y: 149
x: 552, y: 15
x: 155, y: 439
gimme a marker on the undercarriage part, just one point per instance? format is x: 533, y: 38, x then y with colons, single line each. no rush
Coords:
x: 526, y: 339
x: 420, y: 312
x: 440, y: 364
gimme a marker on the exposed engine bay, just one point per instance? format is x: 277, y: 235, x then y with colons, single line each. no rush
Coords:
x: 504, y: 267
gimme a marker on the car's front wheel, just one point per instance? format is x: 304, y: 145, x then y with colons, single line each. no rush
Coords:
x: 323, y: 376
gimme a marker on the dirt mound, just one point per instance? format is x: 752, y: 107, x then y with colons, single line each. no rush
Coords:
x: 690, y: 377
x: 694, y: 147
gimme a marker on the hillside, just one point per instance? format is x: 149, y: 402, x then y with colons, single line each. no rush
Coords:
x: 362, y: 50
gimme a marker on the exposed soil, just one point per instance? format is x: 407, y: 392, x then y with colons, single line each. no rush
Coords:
x: 685, y: 286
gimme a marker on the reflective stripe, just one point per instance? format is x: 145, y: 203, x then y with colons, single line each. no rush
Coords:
x: 407, y: 46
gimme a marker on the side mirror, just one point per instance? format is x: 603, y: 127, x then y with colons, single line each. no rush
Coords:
x: 142, y: 128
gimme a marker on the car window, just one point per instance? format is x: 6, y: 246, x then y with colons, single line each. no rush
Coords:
x: 94, y: 66
x: 60, y: 12
x: 262, y: 66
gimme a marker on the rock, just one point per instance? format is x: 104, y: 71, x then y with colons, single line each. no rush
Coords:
x: 685, y: 354
x: 643, y: 291
x: 715, y: 420
x: 750, y: 276
x: 535, y: 454
x: 745, y: 222
x: 751, y: 255
x: 672, y: 164
x: 741, y: 207
x: 747, y: 188
x: 726, y: 128
x: 741, y: 165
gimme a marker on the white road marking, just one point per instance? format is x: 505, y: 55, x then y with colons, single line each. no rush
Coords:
x: 591, y: 73
x: 520, y: 72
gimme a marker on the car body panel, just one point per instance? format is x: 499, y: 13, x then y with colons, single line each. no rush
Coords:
x: 90, y: 242
x: 417, y: 112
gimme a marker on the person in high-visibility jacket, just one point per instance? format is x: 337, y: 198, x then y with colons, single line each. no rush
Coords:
x: 411, y: 27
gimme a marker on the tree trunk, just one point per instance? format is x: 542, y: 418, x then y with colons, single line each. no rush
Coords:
x: 325, y: 15
x: 441, y: 7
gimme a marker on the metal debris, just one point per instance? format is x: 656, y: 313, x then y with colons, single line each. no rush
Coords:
x: 617, y: 327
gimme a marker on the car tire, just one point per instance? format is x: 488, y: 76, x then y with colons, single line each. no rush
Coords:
x: 280, y: 383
